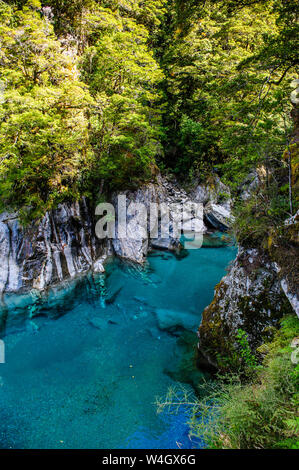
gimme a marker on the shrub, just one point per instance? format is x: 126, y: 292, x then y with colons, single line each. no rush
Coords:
x: 259, y: 413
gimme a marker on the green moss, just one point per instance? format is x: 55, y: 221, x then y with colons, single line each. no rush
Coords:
x: 215, y: 341
x: 259, y: 315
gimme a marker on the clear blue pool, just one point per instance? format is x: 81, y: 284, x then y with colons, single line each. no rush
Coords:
x: 89, y: 378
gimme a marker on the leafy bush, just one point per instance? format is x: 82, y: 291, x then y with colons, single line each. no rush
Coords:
x: 245, y: 350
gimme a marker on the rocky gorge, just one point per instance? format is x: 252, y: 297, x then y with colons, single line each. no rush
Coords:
x: 63, y: 246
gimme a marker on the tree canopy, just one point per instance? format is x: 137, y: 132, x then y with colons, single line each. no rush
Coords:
x: 105, y: 92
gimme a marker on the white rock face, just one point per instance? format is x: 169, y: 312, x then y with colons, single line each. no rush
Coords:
x: 134, y: 246
x: 61, y: 246
x: 218, y: 216
x: 290, y: 293
x: 292, y: 220
x: 163, y: 244
x: 4, y: 255
x: 217, y: 203
x: 203, y: 194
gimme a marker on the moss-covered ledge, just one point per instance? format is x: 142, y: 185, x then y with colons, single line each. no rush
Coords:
x: 249, y: 298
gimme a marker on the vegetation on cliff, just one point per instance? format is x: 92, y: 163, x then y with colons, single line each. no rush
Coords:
x: 98, y: 93
x: 76, y: 109
x: 258, y: 411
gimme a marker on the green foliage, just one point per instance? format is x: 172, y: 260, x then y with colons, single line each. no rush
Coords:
x: 122, y: 74
x: 248, y: 358
x: 222, y: 101
x: 98, y: 91
x: 85, y: 19
x: 260, y: 413
x: 260, y: 219
x: 43, y: 133
x: 95, y: 92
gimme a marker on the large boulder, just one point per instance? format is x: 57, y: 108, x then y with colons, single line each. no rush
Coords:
x: 135, y: 245
x: 216, y: 199
x: 250, y: 298
x: 213, y: 191
x: 218, y: 216
x: 60, y: 246
x: 287, y: 260
x: 4, y: 255
x: 173, y: 200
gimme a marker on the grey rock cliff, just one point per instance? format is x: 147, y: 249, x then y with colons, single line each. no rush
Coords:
x: 64, y: 245
x: 60, y: 246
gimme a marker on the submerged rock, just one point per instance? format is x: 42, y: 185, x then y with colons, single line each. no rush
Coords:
x: 110, y: 299
x: 292, y: 297
x: 184, y: 367
x: 16, y: 309
x: 174, y: 321
x: 154, y: 332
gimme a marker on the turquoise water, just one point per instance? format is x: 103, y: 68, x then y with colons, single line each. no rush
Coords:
x: 89, y: 378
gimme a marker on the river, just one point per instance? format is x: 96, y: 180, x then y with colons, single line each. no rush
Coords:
x: 85, y: 370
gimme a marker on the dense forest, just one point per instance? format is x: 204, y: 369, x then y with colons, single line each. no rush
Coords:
x: 103, y: 94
